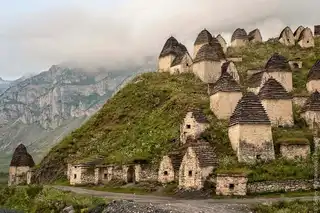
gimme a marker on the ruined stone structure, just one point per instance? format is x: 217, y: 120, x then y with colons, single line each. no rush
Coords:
x: 197, y: 165
x: 20, y: 165
x: 231, y: 184
x: 181, y: 64
x: 293, y: 149
x: 277, y: 102
x: 286, y: 37
x: 239, y: 38
x: 224, y: 96
x: 172, y: 49
x: 317, y: 30
x: 295, y: 64
x: 169, y: 167
x: 103, y: 174
x: 255, y: 36
x: 231, y: 68
x: 306, y: 39
x: 82, y: 174
x: 222, y: 42
x: 276, y: 67
x: 297, y: 33
x: 207, y: 63
x: 203, y: 38
x: 193, y: 125
x: 250, y: 131
x: 313, y: 81
x: 311, y: 109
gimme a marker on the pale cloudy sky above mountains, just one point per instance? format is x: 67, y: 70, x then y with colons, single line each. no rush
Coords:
x: 35, y: 34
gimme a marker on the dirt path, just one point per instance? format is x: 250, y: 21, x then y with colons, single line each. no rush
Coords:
x: 187, y: 206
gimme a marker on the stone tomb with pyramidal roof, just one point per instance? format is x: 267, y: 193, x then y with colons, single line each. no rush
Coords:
x: 204, y: 37
x: 277, y: 102
x: 313, y: 81
x: 207, y: 63
x: 193, y: 125
x: 297, y: 33
x: 276, y: 67
x: 198, y: 163
x: 286, y: 37
x: 169, y: 167
x: 224, y: 96
x: 239, y: 38
x: 255, y: 36
x: 222, y: 42
x: 250, y: 131
x: 311, y: 110
x: 306, y: 39
x: 21, y: 163
x: 231, y: 68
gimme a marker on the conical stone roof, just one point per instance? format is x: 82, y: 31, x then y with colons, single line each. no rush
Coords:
x: 277, y: 62
x: 172, y: 46
x: 272, y: 89
x: 249, y: 110
x: 312, y: 103
x: 217, y: 47
x: 225, y: 83
x: 286, y: 30
x: 314, y: 73
x: 205, y: 153
x: 306, y: 32
x: 253, y: 33
x: 203, y: 37
x: 298, y: 32
x: 317, y: 30
x: 21, y: 157
x: 239, y: 34
x: 207, y: 53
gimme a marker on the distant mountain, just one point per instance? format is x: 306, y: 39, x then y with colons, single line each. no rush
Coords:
x: 40, y: 110
x: 4, y: 84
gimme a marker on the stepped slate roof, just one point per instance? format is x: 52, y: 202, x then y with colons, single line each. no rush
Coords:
x: 251, y: 35
x: 286, y: 29
x: 255, y: 79
x: 21, y: 157
x: 199, y: 116
x: 203, y: 37
x: 317, y: 30
x: 207, y: 53
x: 239, y: 34
x: 298, y: 30
x: 177, y: 60
x: 314, y: 73
x: 312, y: 103
x: 272, y: 89
x: 219, y: 37
x: 249, y: 110
x: 217, y: 47
x: 176, y: 159
x: 205, y: 153
x: 305, y: 32
x: 172, y: 46
x: 277, y: 62
x: 225, y: 83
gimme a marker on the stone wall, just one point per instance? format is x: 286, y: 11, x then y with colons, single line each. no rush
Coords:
x: 82, y: 175
x: 251, y: 153
x: 239, y: 43
x: 283, y: 77
x: 292, y: 151
x: 294, y: 64
x: 279, y: 186
x: 165, y: 63
x: 279, y: 112
x: 18, y: 175
x: 29, y: 177
x: 69, y: 169
x: 313, y: 85
x: 191, y: 128
x: 231, y: 184
x: 299, y: 100
x: 207, y: 71
x: 235, y: 59
x: 310, y: 117
x: 222, y: 104
x: 184, y: 67
x: 166, y: 172
x: 190, y: 171
x: 145, y: 173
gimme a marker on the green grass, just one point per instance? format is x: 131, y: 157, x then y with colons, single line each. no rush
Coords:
x: 34, y: 199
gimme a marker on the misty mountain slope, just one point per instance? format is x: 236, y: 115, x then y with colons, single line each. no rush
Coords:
x: 40, y: 110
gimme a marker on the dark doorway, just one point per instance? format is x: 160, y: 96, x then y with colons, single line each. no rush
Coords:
x: 296, y: 65
x: 131, y: 175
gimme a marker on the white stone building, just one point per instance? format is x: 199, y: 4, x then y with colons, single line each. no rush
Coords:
x: 311, y: 110
x: 277, y: 103
x: 193, y: 125
x: 313, y: 81
x: 306, y: 39
x: 197, y: 165
x: 224, y: 96
x: 239, y: 38
x: 294, y: 149
x: 255, y: 36
x: 231, y: 184
x: 297, y: 33
x: 286, y: 37
x: 250, y: 131
x: 203, y: 38
x: 169, y: 167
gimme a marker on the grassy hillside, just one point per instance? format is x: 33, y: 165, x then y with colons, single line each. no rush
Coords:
x: 141, y: 122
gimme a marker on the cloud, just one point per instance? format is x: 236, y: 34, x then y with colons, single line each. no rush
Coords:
x: 130, y: 30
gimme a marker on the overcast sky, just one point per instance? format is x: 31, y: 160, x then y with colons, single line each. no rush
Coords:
x: 35, y: 34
